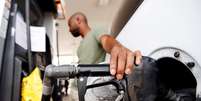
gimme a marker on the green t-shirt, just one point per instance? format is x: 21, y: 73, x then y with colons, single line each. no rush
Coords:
x: 90, y: 50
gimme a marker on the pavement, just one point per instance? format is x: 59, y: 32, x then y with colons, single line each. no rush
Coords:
x: 72, y: 91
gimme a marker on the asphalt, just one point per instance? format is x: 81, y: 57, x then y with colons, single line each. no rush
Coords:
x: 72, y: 92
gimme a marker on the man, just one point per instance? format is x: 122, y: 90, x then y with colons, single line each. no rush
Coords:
x: 96, y: 43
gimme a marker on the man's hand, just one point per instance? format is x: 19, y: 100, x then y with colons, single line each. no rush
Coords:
x: 122, y: 60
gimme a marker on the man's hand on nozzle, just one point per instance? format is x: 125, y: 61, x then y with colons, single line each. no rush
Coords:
x: 123, y: 60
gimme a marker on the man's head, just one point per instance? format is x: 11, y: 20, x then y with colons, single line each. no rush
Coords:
x: 77, y: 24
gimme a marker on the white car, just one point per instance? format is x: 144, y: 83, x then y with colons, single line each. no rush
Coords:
x: 168, y: 30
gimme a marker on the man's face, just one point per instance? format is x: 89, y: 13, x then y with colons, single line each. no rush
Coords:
x: 73, y: 28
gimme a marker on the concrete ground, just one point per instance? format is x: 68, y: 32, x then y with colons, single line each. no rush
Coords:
x: 72, y: 92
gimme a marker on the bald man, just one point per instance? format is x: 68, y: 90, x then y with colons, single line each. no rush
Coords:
x: 96, y: 42
x: 92, y: 50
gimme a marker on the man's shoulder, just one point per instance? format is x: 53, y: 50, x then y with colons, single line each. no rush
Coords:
x: 100, y: 29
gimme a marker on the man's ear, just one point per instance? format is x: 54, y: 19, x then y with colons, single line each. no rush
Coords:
x: 78, y: 20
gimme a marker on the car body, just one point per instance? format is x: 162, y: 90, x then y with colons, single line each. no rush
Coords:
x: 160, y: 28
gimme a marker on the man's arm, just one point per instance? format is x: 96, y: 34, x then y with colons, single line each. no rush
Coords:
x: 122, y: 59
